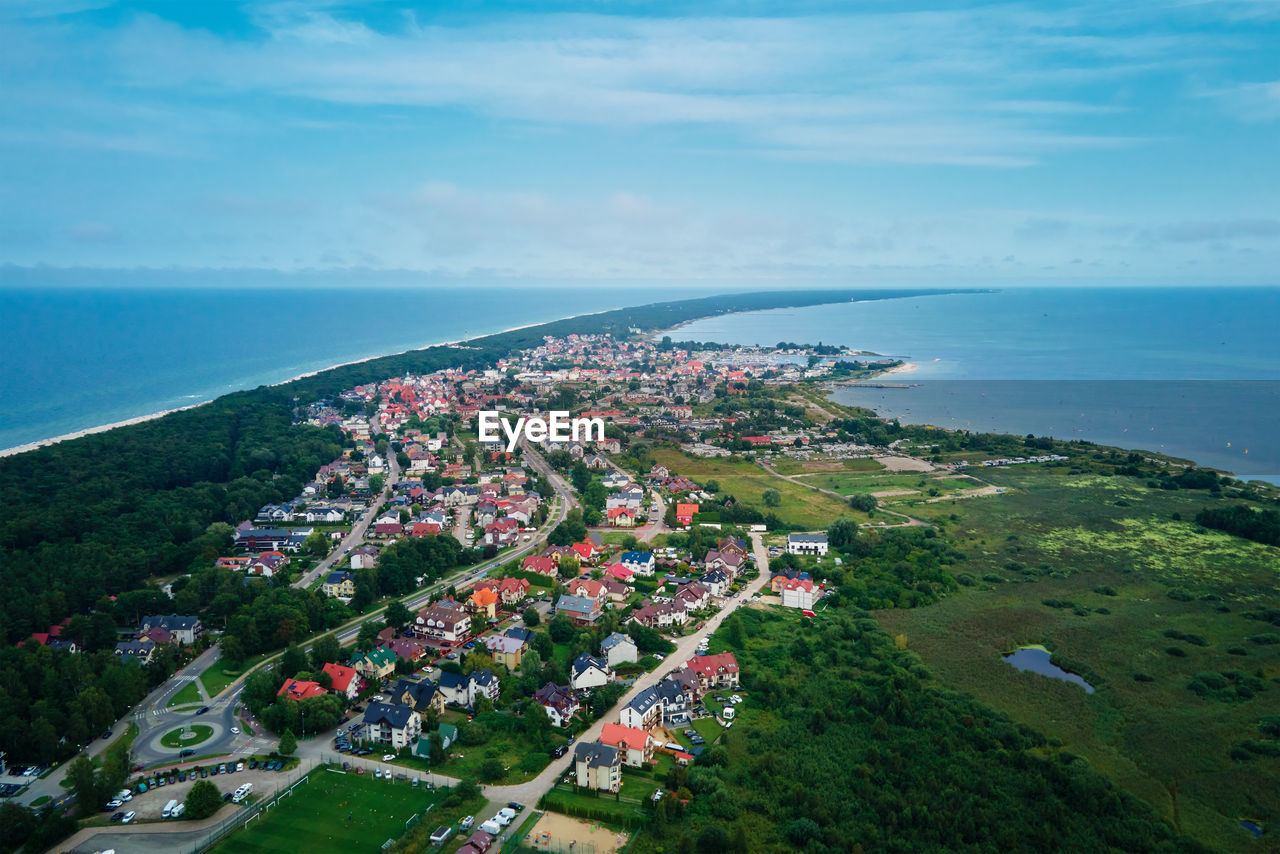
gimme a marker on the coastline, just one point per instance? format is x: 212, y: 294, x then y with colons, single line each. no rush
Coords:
x: 140, y: 419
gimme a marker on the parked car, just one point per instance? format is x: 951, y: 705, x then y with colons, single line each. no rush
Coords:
x: 204, y: 773
x: 113, y: 803
x: 387, y: 757
x: 377, y: 772
x: 467, y: 823
x: 558, y: 751
x: 127, y: 817
x: 117, y: 816
x: 235, y: 730
x: 516, y: 805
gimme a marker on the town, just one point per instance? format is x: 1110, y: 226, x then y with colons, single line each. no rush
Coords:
x: 538, y: 601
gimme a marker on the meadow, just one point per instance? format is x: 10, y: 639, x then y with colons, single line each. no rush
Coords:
x: 334, y: 812
x: 747, y: 482
x: 1113, y: 578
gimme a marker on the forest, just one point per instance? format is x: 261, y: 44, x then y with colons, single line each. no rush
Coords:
x: 845, y: 744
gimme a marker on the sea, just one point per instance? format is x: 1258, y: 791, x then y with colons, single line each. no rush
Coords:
x: 73, y: 359
x: 1190, y: 372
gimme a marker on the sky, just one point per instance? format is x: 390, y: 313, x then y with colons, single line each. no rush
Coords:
x: 619, y: 144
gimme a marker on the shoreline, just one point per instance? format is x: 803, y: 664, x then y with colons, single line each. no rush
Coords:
x: 140, y: 419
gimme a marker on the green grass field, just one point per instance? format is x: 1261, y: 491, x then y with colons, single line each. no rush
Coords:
x: 194, y: 734
x: 1086, y: 565
x: 188, y: 695
x: 333, y: 812
x: 747, y: 482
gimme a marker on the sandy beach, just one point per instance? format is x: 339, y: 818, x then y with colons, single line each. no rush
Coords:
x: 76, y: 434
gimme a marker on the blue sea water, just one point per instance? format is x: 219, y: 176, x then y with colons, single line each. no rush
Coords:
x: 1190, y: 372
x: 73, y: 359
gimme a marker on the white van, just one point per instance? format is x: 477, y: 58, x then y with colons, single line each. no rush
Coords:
x: 729, y: 712
x: 178, y: 811
x: 505, y: 816
x: 168, y: 809
x: 491, y: 827
x: 242, y: 793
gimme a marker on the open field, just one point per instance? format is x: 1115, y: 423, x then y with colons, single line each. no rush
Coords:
x: 1100, y: 571
x: 333, y: 812
x: 747, y: 482
x: 189, y: 694
x: 917, y: 485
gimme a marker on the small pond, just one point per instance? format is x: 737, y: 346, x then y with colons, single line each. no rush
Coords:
x: 1253, y: 827
x: 1036, y: 660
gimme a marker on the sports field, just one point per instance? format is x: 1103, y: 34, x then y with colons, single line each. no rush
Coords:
x: 333, y: 812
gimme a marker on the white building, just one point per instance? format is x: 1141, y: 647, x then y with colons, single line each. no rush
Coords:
x: 807, y: 544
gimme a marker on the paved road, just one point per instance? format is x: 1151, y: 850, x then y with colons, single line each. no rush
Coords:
x: 355, y: 537
x: 529, y: 793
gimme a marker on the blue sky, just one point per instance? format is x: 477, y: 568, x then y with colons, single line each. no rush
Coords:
x: 617, y: 143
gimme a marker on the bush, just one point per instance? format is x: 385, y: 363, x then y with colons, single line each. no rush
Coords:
x: 1143, y: 677
x: 1265, y: 639
x: 1197, y: 640
x: 1176, y: 651
x: 202, y: 801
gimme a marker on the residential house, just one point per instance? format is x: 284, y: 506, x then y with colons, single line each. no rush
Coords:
x: 618, y: 648
x: 503, y: 532
x: 634, y: 744
x: 800, y: 593
x: 340, y: 584
x: 541, y: 564
x: 729, y: 561
x: 717, y: 581
x: 140, y: 651
x: 559, y: 701
x: 464, y: 690
x: 365, y: 557
x: 375, y: 664
x: 616, y: 593
x: 520, y: 633
x: 597, y: 766
x: 582, y: 610
x: 267, y: 564
x: 483, y: 601
x: 512, y: 590
x: 595, y: 461
x: 622, y: 517
x: 587, y: 588
x: 660, y: 615
x: 505, y: 650
x: 388, y: 526
x: 444, y: 621
x: 343, y: 680
x: 641, y: 563
x: 405, y: 649
x: 393, y: 725
x: 807, y: 544
x: 619, y: 571
x: 587, y: 671
x: 644, y: 711
x: 183, y: 628
x: 715, y: 671
x: 685, y: 513
x: 695, y: 596
x: 300, y: 689
x: 421, y: 695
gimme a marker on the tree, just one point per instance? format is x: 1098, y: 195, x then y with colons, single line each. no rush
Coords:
x: 492, y: 770
x: 712, y: 486
x: 562, y: 629
x: 288, y: 743
x: 580, y: 476
x: 84, y: 784
x: 531, y: 663
x: 317, y: 544
x: 771, y: 497
x: 842, y: 533
x: 478, y: 625
x: 398, y: 615
x: 536, y: 724
x: 570, y: 565
x: 324, y: 650
x: 863, y: 501
x: 233, y: 654
x: 293, y: 661
x: 368, y: 634
x: 202, y: 801
x: 376, y: 482
x: 436, y: 744
x: 531, y: 617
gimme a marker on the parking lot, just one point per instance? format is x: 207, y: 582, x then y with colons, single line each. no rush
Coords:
x: 150, y: 804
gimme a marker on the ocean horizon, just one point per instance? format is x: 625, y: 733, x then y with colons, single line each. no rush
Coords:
x: 83, y: 358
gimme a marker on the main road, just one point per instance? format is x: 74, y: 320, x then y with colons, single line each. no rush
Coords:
x: 355, y: 537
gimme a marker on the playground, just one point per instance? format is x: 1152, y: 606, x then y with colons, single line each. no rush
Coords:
x: 560, y: 834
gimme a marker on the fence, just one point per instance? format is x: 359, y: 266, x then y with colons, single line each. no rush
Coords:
x: 241, y: 818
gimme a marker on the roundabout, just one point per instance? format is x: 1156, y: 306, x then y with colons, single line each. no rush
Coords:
x: 183, y: 737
